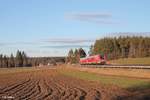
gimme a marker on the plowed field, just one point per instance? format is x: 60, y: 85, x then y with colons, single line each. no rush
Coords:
x: 48, y: 84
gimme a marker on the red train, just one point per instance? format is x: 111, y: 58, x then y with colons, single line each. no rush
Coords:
x: 96, y: 59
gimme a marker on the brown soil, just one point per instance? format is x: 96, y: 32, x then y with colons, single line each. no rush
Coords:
x: 50, y: 85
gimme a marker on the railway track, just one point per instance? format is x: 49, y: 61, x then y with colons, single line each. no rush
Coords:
x: 118, y: 66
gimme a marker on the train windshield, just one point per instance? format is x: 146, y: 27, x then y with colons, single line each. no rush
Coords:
x: 101, y: 57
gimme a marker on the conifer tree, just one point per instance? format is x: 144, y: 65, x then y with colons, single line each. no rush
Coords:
x: 82, y: 53
x: 19, y: 59
x: 12, y: 61
x: 25, y: 59
x: 1, y: 60
x: 5, y: 61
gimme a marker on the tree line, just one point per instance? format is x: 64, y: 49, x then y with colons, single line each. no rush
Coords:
x: 75, y: 55
x: 122, y: 47
x: 22, y: 60
x: 19, y: 60
x: 113, y: 47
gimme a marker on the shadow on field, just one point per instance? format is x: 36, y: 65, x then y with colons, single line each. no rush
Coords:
x: 140, y: 92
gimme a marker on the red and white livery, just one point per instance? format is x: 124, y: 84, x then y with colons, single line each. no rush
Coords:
x: 96, y: 59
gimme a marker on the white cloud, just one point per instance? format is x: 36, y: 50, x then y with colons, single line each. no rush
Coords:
x: 101, y: 18
x: 68, y: 40
x: 66, y: 46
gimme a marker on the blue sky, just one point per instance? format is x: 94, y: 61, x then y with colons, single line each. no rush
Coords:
x: 52, y: 27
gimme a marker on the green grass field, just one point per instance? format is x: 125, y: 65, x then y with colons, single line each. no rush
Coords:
x: 124, y: 82
x: 136, y: 61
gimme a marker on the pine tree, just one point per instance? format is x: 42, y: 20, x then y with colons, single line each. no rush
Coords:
x: 1, y: 60
x: 12, y: 61
x: 116, y: 51
x: 70, y: 56
x: 5, y: 61
x: 91, y: 51
x: 76, y: 57
x: 82, y: 53
x: 25, y: 59
x: 19, y: 59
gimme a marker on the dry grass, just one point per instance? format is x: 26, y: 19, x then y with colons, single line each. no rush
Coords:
x: 137, y: 73
x: 108, y: 76
x: 134, y: 61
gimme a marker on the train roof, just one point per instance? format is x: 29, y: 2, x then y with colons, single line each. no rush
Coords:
x: 91, y: 56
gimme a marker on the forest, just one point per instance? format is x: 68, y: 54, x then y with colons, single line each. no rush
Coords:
x: 22, y: 60
x: 115, y: 48
x: 122, y: 47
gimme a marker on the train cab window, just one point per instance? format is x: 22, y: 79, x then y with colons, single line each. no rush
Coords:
x: 101, y: 57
